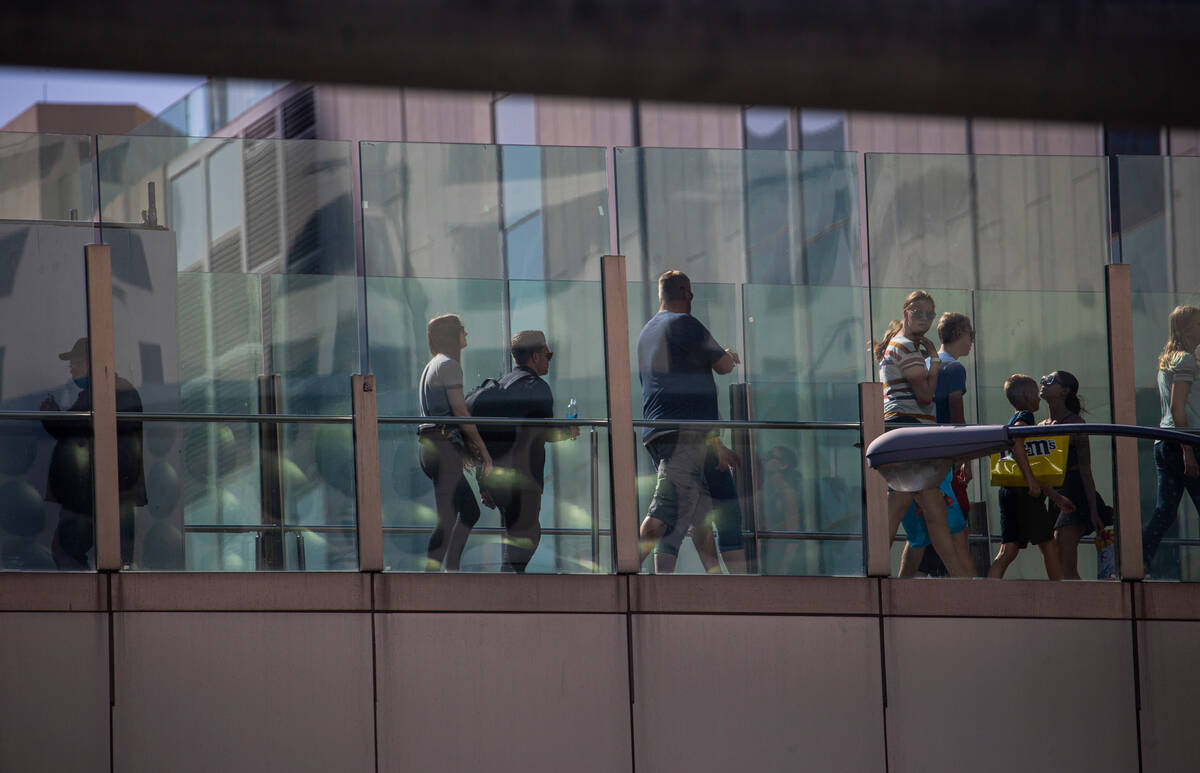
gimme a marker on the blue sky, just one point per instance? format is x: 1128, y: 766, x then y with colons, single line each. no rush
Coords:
x: 20, y: 87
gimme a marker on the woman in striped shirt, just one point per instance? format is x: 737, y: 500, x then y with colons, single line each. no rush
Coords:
x: 908, y: 387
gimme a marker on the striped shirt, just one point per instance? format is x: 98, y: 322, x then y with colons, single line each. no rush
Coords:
x: 899, y: 400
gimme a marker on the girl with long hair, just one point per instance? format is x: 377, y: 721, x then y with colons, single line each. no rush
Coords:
x: 1060, y: 390
x: 443, y: 446
x: 1175, y: 465
x: 908, y: 390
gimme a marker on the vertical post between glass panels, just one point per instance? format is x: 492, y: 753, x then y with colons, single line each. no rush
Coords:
x: 102, y: 363
x: 1118, y: 286
x: 878, y: 541
x: 366, y: 473
x: 623, y: 466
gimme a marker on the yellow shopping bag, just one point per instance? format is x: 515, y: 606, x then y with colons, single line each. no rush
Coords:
x: 1047, y: 459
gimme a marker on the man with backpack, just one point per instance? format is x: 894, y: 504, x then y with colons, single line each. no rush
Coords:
x: 514, y: 486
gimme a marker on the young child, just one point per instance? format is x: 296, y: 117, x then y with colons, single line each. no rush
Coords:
x: 1024, y: 519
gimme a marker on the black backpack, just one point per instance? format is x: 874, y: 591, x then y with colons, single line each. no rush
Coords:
x: 489, y: 400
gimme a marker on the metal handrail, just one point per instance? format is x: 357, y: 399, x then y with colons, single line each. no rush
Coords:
x: 236, y: 418
x: 489, y: 421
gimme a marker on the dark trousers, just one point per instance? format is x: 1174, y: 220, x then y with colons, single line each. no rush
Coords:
x: 75, y: 536
x: 520, y: 506
x: 1172, y: 483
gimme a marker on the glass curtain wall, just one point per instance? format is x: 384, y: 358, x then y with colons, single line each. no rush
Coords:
x: 770, y: 242
x: 1159, y: 200
x: 1019, y: 245
x: 235, y: 298
x: 508, y: 239
x: 47, y: 186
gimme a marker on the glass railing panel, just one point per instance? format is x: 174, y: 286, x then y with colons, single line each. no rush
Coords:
x: 1037, y: 334
x: 237, y: 269
x: 46, y: 515
x: 234, y: 294
x: 574, y: 521
x: 1170, y: 538
x: 805, y: 351
x: 760, y: 216
x: 47, y: 177
x: 242, y: 496
x: 715, y: 306
x: 1034, y: 223
x: 792, y: 507
x: 1159, y: 198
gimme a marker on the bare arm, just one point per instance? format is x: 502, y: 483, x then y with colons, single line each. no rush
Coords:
x: 958, y: 414
x: 727, y: 362
x: 1179, y: 396
x: 458, y: 406
x: 922, y: 381
x: 1089, y: 483
x: 1022, y: 460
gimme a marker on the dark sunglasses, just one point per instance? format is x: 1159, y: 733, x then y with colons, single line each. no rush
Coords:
x: 924, y: 314
x: 1048, y: 380
x: 549, y: 354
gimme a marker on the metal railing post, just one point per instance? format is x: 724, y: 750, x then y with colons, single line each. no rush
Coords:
x: 102, y: 362
x: 877, y: 542
x: 621, y: 445
x: 366, y: 473
x: 1119, y: 289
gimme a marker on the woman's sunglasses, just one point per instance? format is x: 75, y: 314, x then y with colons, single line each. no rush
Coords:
x: 1048, y: 380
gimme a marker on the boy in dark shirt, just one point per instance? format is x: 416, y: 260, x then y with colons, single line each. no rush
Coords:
x: 1024, y: 519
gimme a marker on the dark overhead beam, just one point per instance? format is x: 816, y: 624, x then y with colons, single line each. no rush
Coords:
x: 1118, y: 60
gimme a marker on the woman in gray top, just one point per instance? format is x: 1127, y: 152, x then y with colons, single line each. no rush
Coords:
x: 1175, y: 465
x: 442, y: 446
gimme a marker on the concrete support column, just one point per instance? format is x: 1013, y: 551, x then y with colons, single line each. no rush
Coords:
x: 102, y: 361
x: 1118, y: 286
x: 621, y: 444
x: 366, y: 473
x: 877, y: 542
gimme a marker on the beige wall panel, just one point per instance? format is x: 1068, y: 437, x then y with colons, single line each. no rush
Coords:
x: 670, y: 125
x: 1004, y: 695
x: 1184, y: 142
x: 1170, y: 682
x: 359, y: 113
x: 1041, y: 138
x: 447, y: 116
x: 717, y: 692
x: 885, y: 133
x: 507, y: 692
x: 575, y: 121
x: 53, y: 692
x: 243, y: 691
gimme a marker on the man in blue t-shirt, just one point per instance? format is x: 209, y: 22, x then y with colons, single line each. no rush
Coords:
x: 677, y: 357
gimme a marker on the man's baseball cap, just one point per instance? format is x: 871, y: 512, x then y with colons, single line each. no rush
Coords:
x: 79, y: 350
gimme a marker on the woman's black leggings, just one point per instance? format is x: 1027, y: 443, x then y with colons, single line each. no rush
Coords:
x: 457, y: 508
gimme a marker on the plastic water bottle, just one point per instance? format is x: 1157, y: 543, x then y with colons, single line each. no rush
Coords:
x: 572, y: 409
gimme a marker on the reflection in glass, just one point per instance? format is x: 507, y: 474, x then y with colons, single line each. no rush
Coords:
x: 484, y: 211
x: 39, y: 529
x: 1034, y: 223
x: 244, y: 497
x: 46, y: 177
x: 804, y: 354
x: 767, y: 216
